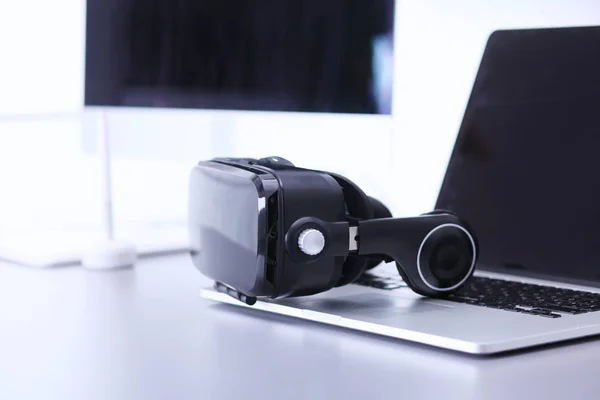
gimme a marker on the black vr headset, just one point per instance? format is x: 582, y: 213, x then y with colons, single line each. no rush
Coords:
x: 264, y: 228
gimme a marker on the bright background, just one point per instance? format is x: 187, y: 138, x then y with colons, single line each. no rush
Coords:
x: 48, y: 175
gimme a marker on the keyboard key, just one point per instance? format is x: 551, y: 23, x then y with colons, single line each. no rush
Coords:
x: 540, y: 313
x: 564, y: 309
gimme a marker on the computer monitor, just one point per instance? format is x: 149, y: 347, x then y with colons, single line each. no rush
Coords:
x: 223, y: 76
x: 312, y: 56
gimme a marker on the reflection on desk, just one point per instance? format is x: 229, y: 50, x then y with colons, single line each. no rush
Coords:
x: 146, y: 333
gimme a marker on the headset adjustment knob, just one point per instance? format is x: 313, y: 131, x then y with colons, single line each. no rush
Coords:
x: 311, y: 242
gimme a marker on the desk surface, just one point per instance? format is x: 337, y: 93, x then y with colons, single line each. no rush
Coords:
x: 147, y: 334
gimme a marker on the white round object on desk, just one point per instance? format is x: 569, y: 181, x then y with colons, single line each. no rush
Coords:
x: 111, y: 254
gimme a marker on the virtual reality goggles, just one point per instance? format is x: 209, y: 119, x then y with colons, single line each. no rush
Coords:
x: 264, y: 228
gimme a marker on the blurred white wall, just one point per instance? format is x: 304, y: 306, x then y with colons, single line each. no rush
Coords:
x: 42, y: 44
x: 438, y: 47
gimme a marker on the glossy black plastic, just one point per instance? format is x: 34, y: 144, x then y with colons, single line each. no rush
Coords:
x: 293, y: 193
x: 435, y: 253
x: 228, y: 230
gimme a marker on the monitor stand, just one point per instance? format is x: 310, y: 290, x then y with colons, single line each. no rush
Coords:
x: 109, y: 252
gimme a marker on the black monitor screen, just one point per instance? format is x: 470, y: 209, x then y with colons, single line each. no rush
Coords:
x: 267, y: 55
x: 525, y: 170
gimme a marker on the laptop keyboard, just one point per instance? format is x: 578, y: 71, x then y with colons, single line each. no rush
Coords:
x: 525, y: 298
x: 544, y: 301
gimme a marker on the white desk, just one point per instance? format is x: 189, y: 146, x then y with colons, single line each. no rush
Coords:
x: 146, y: 334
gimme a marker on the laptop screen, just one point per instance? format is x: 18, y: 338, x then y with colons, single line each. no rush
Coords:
x: 525, y: 169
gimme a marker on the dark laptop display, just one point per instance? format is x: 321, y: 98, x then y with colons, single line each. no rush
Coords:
x: 525, y: 170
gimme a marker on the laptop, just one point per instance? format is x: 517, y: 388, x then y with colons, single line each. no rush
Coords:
x: 524, y: 171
